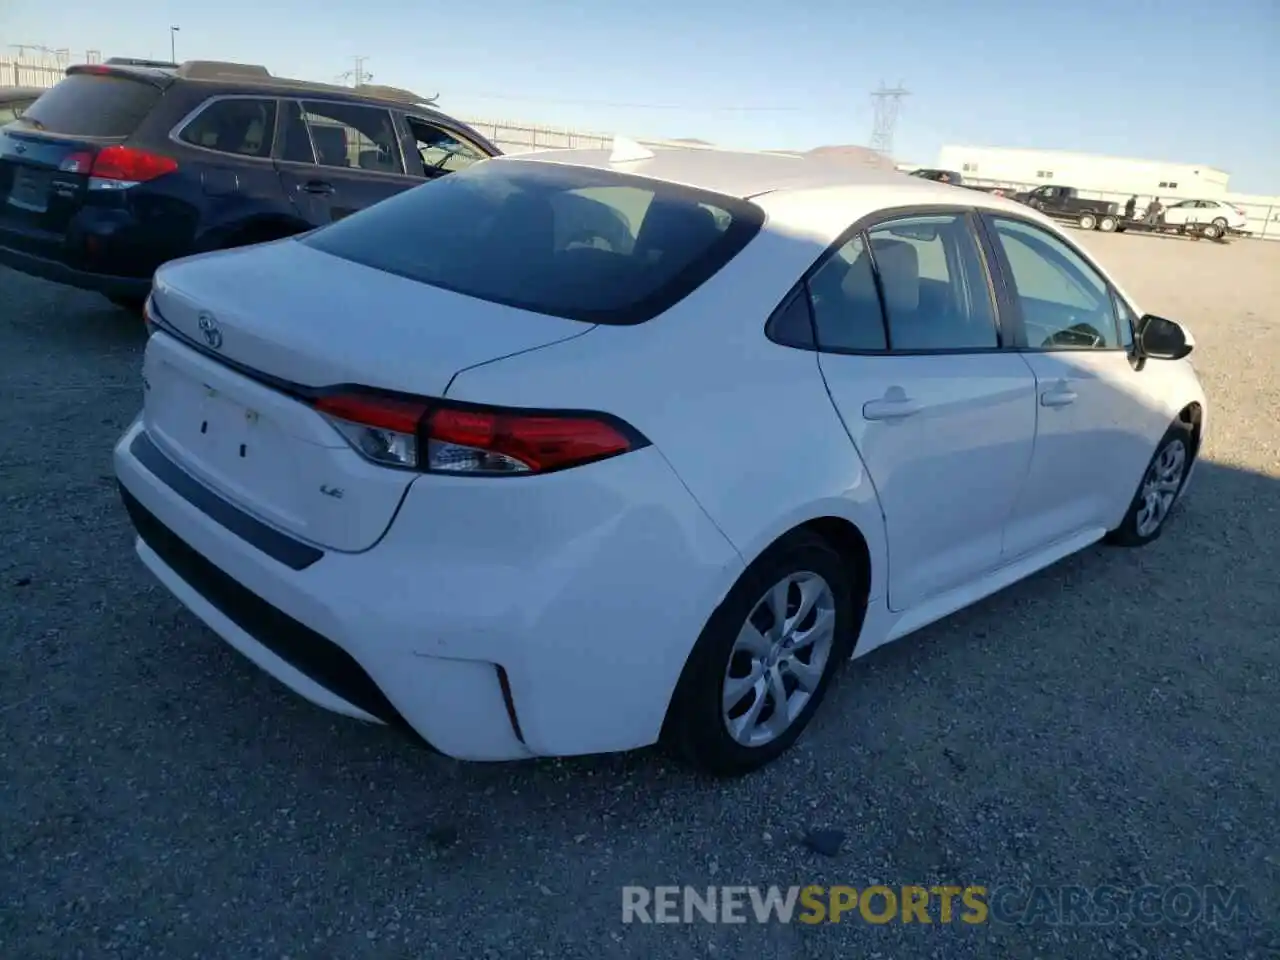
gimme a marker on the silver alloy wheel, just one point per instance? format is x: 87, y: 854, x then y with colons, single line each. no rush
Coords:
x: 779, y: 658
x: 1161, y: 485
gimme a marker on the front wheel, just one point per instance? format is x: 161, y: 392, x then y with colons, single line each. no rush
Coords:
x: 1212, y: 231
x: 1158, y: 492
x: 1220, y: 223
x: 765, y: 659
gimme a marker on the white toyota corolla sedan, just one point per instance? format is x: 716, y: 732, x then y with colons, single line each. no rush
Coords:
x: 581, y: 451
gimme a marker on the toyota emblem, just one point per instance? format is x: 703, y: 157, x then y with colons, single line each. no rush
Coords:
x: 209, y: 330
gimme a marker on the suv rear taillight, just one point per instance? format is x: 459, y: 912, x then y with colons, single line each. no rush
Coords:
x: 441, y: 436
x: 117, y: 167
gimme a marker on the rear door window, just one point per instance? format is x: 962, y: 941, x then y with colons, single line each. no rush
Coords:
x: 93, y: 105
x: 240, y: 125
x: 348, y: 135
x: 591, y: 245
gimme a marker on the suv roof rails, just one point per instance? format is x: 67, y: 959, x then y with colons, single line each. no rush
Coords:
x: 397, y: 94
x: 219, y: 69
x: 135, y: 62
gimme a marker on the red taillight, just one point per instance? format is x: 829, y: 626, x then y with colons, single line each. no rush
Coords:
x: 127, y: 165
x: 443, y: 437
x: 541, y: 443
x: 386, y: 413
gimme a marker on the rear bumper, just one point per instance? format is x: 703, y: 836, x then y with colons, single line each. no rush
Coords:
x: 489, y: 634
x: 46, y: 269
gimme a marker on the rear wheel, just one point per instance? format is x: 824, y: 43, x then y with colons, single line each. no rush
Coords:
x: 1088, y: 221
x: 1158, y: 492
x: 1220, y: 223
x: 765, y: 659
x: 1212, y: 231
x: 1108, y: 224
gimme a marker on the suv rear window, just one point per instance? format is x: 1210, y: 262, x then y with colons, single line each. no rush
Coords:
x: 575, y: 242
x: 92, y: 105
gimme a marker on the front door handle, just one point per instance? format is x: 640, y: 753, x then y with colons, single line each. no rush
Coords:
x: 1059, y: 395
x: 318, y: 186
x: 894, y: 406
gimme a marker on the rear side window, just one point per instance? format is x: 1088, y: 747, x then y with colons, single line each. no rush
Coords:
x: 92, y: 105
x: 574, y: 242
x: 240, y: 125
x: 348, y: 135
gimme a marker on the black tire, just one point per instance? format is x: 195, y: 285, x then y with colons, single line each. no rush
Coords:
x: 1088, y: 221
x: 1212, y: 231
x: 1108, y: 224
x: 132, y: 304
x: 1220, y: 223
x: 1129, y: 533
x: 695, y: 728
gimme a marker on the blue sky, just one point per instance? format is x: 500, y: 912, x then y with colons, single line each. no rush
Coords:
x: 1086, y: 75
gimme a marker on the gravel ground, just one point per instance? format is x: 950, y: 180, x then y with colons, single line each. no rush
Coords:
x: 1110, y: 721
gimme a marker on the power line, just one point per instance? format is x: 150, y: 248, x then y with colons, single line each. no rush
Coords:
x: 888, y: 104
x: 692, y: 108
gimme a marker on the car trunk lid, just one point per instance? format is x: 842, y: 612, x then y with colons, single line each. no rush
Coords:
x: 246, y: 337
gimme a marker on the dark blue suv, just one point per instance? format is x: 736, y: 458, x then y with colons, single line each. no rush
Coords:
x: 121, y: 167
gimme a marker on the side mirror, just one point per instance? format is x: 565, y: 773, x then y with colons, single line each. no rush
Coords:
x: 1163, y: 339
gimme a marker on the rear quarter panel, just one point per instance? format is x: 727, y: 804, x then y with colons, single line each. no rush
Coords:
x: 747, y: 424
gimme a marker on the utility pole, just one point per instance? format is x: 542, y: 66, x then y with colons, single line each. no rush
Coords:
x: 173, y: 45
x: 888, y: 103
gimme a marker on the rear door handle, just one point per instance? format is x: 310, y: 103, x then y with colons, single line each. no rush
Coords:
x: 318, y: 186
x: 1059, y: 396
x: 895, y: 409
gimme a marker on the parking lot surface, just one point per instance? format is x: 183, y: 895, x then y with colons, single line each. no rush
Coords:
x: 1110, y: 721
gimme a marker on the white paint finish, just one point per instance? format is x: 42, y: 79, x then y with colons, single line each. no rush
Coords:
x: 1207, y: 211
x: 591, y: 585
x: 307, y: 317
x: 949, y: 471
x: 265, y: 451
x: 586, y: 585
x: 1090, y: 450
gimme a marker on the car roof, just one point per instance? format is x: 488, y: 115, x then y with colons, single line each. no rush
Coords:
x: 247, y: 78
x: 748, y: 175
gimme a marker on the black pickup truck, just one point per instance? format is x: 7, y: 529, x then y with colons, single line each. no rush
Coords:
x: 1065, y: 203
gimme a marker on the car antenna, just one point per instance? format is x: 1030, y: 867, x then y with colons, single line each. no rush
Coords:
x: 626, y: 150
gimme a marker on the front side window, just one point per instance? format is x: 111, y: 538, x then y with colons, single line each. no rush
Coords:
x: 1126, y: 321
x: 1065, y: 301
x: 591, y: 245
x: 239, y: 125
x: 353, y: 136
x: 442, y: 151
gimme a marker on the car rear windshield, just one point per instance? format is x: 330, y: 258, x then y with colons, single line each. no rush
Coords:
x: 93, y: 105
x: 575, y: 242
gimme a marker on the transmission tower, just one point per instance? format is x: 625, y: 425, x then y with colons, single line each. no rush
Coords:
x: 359, y: 76
x: 888, y: 103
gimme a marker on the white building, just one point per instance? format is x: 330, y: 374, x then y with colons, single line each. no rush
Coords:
x: 1088, y: 172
